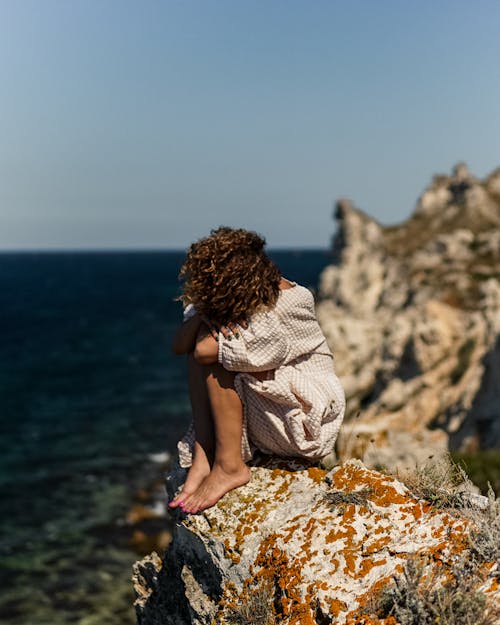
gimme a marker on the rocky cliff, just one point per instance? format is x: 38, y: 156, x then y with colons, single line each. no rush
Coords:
x: 412, y: 313
x: 303, y: 546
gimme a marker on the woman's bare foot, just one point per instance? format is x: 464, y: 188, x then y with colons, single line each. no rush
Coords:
x: 198, y: 471
x: 214, y: 486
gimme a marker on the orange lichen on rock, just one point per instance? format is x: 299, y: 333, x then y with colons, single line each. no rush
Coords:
x: 492, y: 586
x: 335, y: 564
x: 437, y: 532
x: 377, y: 545
x: 258, y: 506
x: 334, y: 535
x: 367, y: 565
x: 280, y: 473
x: 290, y: 532
x: 316, y: 474
x: 349, y: 477
x: 336, y: 607
x: 350, y: 561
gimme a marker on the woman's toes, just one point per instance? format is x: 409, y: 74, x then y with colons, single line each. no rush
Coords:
x: 188, y: 504
x: 178, y: 499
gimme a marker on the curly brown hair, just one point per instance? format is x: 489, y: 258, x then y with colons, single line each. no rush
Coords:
x: 227, y: 276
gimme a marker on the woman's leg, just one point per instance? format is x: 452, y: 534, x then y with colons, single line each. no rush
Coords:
x: 204, y: 446
x: 228, y: 469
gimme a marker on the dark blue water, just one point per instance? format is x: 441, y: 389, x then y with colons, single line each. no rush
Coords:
x: 88, y: 389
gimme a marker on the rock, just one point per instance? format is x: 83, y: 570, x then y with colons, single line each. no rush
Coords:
x: 412, y: 314
x: 308, y: 546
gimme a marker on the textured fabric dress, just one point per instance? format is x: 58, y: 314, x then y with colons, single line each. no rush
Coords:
x: 298, y: 409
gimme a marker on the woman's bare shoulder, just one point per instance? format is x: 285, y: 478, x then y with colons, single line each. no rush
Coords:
x: 285, y: 284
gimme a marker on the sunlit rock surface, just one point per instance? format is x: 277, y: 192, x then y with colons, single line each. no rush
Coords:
x: 313, y: 546
x: 412, y: 313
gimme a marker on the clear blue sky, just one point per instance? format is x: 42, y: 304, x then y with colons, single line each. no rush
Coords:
x: 144, y: 124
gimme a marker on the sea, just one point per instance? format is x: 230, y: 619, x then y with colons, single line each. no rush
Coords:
x: 92, y: 403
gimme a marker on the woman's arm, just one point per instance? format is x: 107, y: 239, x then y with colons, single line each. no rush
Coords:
x: 184, y: 340
x: 198, y: 335
x: 207, y: 348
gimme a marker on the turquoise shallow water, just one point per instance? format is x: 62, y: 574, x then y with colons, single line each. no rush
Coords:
x: 88, y: 389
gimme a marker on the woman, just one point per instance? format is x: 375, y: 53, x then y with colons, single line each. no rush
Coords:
x: 260, y: 371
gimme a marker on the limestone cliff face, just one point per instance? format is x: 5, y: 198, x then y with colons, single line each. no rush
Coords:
x: 412, y: 313
x: 300, y: 546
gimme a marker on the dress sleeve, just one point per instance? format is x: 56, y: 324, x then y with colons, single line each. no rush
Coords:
x: 260, y: 347
x: 189, y: 311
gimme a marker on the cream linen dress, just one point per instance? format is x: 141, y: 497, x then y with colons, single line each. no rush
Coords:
x: 297, y: 411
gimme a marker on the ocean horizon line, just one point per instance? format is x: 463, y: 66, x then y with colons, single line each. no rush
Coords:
x: 142, y: 250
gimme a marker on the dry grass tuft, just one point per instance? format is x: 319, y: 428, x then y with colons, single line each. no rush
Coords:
x: 419, y: 597
x: 484, y: 538
x: 447, y: 486
x: 442, y: 482
x: 256, y: 609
